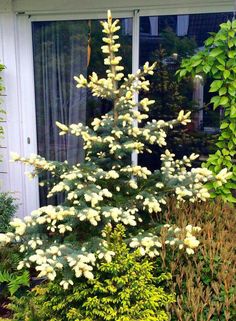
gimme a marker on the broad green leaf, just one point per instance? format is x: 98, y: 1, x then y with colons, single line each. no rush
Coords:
x: 226, y: 74
x: 222, y: 91
x: 233, y: 112
x: 206, y: 68
x: 225, y: 152
x: 220, y: 144
x: 221, y: 67
x: 232, y: 126
x: 224, y: 125
x: 234, y: 24
x: 196, y: 63
x: 230, y: 43
x: 183, y: 73
x: 233, y: 83
x: 215, y: 52
x: 225, y: 135
x: 231, y: 33
x: 216, y: 101
x: 232, y: 53
x: 209, y: 41
x: 215, y: 85
x: 224, y: 100
x: 221, y: 59
x: 231, y: 90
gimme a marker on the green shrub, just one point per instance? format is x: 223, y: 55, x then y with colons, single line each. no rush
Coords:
x: 8, y: 208
x: 124, y: 289
x: 11, y: 280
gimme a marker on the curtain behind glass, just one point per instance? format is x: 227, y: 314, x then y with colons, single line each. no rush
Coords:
x: 60, y: 53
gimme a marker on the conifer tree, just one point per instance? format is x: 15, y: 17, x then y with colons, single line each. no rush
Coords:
x: 107, y: 188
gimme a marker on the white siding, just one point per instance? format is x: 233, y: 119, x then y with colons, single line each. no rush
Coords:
x: 11, y: 173
x: 4, y: 177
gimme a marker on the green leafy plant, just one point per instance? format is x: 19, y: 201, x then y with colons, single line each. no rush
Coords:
x: 217, y: 60
x: 123, y: 289
x: 14, y: 281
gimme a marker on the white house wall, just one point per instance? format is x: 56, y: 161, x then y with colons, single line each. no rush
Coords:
x: 11, y: 173
x: 4, y: 181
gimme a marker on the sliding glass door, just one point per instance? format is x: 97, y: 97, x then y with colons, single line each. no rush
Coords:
x: 62, y: 50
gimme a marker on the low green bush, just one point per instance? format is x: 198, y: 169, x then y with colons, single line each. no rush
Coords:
x: 125, y: 289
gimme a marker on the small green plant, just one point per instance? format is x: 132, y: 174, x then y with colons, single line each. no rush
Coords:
x: 218, y: 60
x: 124, y: 289
x: 14, y: 281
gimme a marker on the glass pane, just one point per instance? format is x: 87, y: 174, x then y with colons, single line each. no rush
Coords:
x: 62, y: 50
x: 166, y: 40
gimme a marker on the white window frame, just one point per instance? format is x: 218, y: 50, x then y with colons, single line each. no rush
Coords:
x: 26, y: 71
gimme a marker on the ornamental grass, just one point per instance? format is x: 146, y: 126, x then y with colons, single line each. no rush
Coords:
x: 205, y: 283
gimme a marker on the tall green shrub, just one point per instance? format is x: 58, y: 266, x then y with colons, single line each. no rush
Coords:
x: 218, y: 60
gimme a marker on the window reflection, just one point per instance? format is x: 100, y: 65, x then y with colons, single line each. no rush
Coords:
x: 167, y: 40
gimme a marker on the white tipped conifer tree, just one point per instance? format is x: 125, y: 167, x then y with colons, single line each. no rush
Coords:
x: 67, y: 239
